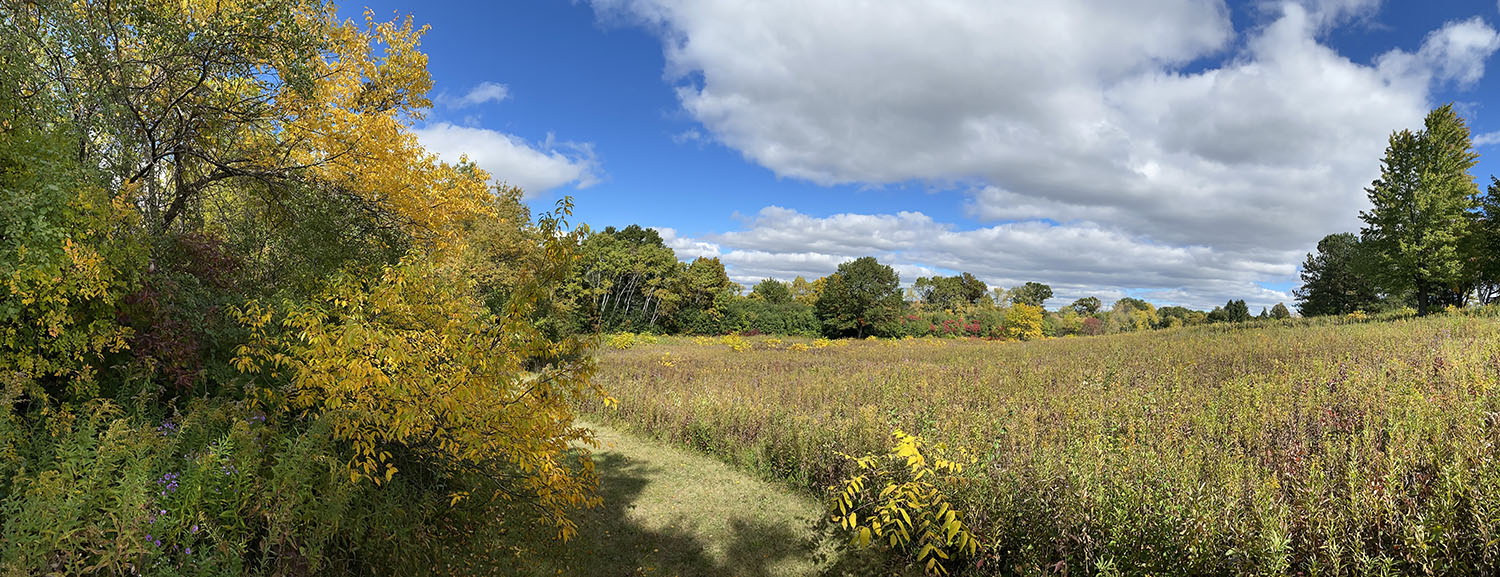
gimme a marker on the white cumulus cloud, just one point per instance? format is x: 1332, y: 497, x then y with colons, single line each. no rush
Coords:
x: 1112, y: 144
x: 482, y: 93
x: 536, y: 168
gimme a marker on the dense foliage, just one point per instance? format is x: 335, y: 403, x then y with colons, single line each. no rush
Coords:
x: 247, y: 324
x: 1429, y: 238
x: 1294, y: 447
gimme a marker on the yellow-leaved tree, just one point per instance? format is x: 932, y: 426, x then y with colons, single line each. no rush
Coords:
x: 293, y: 251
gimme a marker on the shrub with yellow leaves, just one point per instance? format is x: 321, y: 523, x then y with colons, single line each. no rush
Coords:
x: 736, y: 343
x: 628, y: 340
x: 64, y: 265
x: 910, y: 513
x: 409, y: 367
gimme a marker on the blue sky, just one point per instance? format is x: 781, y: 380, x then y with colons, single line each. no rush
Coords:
x: 1185, y: 151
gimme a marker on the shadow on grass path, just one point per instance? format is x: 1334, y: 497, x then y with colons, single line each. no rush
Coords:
x: 671, y: 512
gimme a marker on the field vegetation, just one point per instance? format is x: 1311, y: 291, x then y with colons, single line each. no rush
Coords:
x: 250, y: 325
x: 1331, y: 447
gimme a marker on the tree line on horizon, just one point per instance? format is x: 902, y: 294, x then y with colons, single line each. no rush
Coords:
x: 628, y: 280
x: 1431, y: 238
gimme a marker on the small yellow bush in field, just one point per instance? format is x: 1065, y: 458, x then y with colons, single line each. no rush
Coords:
x: 822, y: 343
x: 799, y: 347
x: 909, y: 513
x: 624, y: 341
x: 736, y: 342
x: 1023, y: 322
x: 703, y: 341
x: 773, y: 343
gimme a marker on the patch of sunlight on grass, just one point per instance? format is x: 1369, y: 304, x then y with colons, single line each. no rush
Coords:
x: 668, y: 511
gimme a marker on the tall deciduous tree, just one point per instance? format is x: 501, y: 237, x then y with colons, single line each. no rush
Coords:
x: 1087, y: 305
x: 1335, y: 281
x: 949, y: 292
x: 804, y: 292
x: 1482, y: 248
x: 626, y: 279
x: 1420, y: 209
x: 861, y: 295
x: 1032, y: 293
x: 772, y: 291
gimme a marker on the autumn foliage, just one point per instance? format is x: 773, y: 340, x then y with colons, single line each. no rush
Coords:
x: 247, y: 323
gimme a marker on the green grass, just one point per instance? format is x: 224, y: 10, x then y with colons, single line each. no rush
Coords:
x: 1310, y: 448
x: 668, y: 511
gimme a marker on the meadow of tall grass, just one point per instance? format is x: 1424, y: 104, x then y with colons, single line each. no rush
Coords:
x: 1299, y: 448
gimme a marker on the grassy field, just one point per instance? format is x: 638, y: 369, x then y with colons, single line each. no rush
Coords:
x: 1300, y: 449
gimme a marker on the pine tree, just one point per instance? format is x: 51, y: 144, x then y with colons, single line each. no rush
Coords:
x: 1420, y: 209
x: 1335, y: 281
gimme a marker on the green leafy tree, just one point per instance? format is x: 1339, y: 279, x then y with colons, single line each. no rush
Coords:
x: 1336, y: 280
x: 626, y: 280
x: 701, y: 293
x: 861, y: 296
x: 949, y: 292
x: 772, y: 291
x: 1168, y: 317
x: 1087, y: 305
x: 1420, y: 211
x: 972, y: 289
x: 1031, y: 293
x: 1482, y: 249
x: 1280, y: 311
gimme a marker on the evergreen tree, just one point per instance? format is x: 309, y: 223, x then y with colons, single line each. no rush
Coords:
x: 1335, y: 281
x: 1236, y: 311
x: 1420, y: 209
x: 1280, y: 312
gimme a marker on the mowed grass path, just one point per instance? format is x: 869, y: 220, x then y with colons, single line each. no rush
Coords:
x: 668, y: 511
